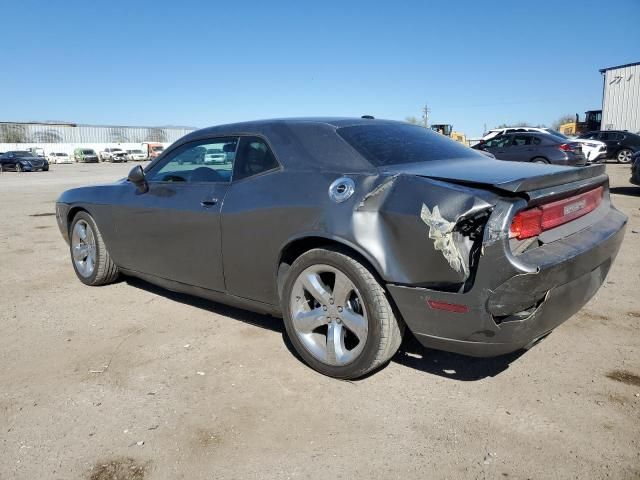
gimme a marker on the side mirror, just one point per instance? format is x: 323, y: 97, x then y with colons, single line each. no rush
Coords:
x: 136, y: 176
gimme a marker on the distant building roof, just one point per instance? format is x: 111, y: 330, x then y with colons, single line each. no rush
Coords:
x: 72, y: 124
x: 620, y: 66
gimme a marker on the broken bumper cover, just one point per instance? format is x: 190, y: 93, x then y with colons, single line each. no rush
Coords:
x: 546, y: 286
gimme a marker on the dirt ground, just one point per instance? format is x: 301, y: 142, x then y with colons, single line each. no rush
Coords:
x: 132, y: 382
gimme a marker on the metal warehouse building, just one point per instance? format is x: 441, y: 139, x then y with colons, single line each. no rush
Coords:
x: 51, y: 133
x: 621, y: 97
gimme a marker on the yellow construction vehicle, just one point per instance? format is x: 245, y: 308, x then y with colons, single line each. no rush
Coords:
x: 592, y: 121
x: 447, y: 130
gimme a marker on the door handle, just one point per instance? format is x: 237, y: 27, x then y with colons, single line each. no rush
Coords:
x: 210, y: 202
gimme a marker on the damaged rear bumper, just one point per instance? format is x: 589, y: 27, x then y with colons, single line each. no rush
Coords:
x: 516, y: 300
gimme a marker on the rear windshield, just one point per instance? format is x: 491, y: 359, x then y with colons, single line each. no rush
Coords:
x: 555, y: 133
x: 394, y: 144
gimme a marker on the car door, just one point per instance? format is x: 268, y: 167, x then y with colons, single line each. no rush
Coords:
x: 172, y: 231
x: 252, y: 225
x: 500, y: 147
x: 519, y: 149
x: 612, y: 139
x: 10, y: 160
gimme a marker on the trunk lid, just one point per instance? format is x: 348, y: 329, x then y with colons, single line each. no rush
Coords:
x: 512, y: 177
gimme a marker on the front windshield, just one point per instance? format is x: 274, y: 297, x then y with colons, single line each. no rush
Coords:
x: 157, y: 149
x: 88, y: 152
x: 23, y: 154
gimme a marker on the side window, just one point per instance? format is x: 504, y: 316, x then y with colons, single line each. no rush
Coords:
x: 497, y: 142
x: 605, y: 136
x: 254, y: 156
x: 521, y: 140
x: 208, y: 160
x: 536, y: 141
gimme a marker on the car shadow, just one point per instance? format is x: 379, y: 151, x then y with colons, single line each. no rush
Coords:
x: 451, y: 365
x: 259, y: 320
x: 630, y: 191
x: 411, y: 353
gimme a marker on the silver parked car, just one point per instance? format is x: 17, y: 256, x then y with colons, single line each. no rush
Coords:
x: 536, y: 147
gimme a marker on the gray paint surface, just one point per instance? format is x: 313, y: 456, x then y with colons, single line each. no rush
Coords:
x: 233, y: 251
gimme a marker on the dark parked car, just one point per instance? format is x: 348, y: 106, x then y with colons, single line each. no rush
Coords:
x: 353, y: 230
x: 22, y: 161
x: 620, y: 144
x: 536, y: 147
x: 635, y: 168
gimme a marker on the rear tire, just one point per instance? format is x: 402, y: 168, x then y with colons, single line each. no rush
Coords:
x: 104, y: 271
x: 624, y: 156
x: 364, y: 306
x: 539, y: 160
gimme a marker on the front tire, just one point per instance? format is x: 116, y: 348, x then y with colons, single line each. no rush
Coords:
x: 19, y: 168
x: 624, y: 156
x: 89, y: 255
x: 337, y: 315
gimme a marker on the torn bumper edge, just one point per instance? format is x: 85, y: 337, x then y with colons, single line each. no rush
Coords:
x: 570, y: 271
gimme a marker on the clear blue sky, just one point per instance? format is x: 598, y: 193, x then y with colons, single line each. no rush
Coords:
x: 204, y: 63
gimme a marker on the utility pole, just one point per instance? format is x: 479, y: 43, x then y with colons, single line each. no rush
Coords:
x: 425, y: 115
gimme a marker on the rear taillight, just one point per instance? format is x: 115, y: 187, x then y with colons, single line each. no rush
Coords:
x: 526, y: 224
x: 532, y: 222
x: 570, y: 147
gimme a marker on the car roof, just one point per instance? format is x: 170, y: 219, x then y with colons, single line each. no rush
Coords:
x: 258, y: 125
x: 302, y: 143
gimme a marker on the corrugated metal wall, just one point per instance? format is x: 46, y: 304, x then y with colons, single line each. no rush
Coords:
x: 79, y: 134
x: 621, y: 101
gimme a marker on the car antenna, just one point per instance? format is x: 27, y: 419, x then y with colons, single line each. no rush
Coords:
x: 368, y: 117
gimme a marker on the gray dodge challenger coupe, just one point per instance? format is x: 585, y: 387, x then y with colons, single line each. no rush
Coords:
x: 352, y: 230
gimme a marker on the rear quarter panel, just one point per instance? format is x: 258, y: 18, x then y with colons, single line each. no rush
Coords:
x: 262, y: 215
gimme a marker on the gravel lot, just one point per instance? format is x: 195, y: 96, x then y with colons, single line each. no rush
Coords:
x: 130, y: 381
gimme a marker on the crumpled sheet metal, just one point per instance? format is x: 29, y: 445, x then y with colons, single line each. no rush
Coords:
x: 441, y: 231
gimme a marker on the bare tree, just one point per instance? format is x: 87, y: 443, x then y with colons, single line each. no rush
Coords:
x: 563, y: 119
x: 413, y: 120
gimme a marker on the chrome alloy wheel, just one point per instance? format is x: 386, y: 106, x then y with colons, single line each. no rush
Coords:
x: 624, y: 156
x: 329, y: 315
x: 83, y: 248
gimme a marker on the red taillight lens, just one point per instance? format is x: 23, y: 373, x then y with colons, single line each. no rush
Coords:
x: 529, y: 223
x: 565, y: 147
x: 526, y: 224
